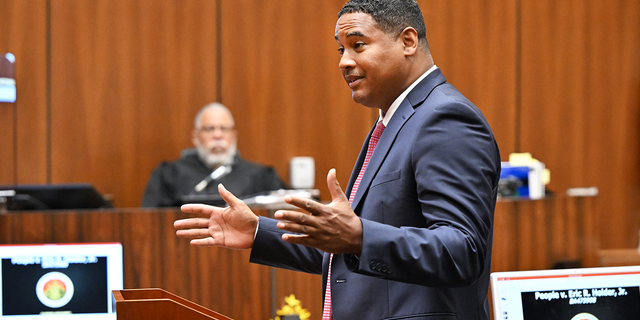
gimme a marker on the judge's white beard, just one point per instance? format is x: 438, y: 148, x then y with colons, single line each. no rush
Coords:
x: 214, y: 160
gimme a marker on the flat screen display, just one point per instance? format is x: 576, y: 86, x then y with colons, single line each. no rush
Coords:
x: 59, y: 281
x: 54, y: 197
x: 567, y: 294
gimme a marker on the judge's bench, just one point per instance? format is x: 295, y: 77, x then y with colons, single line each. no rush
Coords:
x: 556, y: 231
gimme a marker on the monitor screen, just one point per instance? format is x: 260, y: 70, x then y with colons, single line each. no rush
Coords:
x: 59, y: 281
x: 571, y: 294
x: 54, y: 196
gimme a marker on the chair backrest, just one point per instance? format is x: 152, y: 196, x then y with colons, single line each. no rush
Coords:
x: 187, y: 152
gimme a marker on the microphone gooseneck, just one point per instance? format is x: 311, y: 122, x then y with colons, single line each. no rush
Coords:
x: 216, y: 174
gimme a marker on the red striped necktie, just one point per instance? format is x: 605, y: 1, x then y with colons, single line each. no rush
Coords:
x: 373, y: 142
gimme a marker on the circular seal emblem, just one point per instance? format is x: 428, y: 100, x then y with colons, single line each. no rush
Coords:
x: 54, y: 289
x: 584, y: 316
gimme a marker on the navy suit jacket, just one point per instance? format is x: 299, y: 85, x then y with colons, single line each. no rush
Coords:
x: 426, y: 202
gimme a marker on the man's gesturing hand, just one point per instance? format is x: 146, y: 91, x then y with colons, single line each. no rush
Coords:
x: 232, y: 227
x: 331, y: 228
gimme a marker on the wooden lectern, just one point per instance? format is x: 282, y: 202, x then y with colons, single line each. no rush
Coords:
x: 157, y: 304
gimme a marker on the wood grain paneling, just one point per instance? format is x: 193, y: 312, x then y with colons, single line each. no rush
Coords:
x: 23, y: 125
x: 127, y: 79
x: 542, y: 234
x: 618, y: 257
x: 281, y: 79
x: 581, y: 104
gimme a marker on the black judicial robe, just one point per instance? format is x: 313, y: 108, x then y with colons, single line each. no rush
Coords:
x: 170, y: 181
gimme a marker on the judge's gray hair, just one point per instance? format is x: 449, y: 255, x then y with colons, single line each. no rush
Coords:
x: 210, y: 106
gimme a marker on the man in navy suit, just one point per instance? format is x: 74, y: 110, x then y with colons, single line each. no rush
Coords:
x: 411, y: 238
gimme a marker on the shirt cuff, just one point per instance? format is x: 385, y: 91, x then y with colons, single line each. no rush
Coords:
x: 256, y: 233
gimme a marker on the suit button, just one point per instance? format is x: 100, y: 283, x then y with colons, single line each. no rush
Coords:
x: 372, y: 265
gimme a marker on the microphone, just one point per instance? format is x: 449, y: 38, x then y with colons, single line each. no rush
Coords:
x: 216, y: 174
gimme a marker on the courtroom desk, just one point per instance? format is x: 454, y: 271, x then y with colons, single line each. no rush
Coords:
x: 618, y: 257
x: 154, y: 257
x: 538, y: 234
x: 527, y: 235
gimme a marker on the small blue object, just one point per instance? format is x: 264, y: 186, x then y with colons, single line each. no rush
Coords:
x: 514, y: 181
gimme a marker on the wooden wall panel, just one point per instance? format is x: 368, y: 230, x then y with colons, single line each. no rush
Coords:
x: 581, y: 104
x: 127, y: 80
x: 280, y: 77
x: 23, y: 126
x: 474, y: 43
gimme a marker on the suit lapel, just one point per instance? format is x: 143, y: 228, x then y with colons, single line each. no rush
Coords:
x: 402, y: 114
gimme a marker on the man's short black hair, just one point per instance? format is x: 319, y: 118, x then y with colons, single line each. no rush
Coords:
x: 392, y: 16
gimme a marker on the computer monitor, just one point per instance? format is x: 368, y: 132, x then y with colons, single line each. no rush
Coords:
x: 571, y: 294
x: 54, y: 196
x: 59, y: 281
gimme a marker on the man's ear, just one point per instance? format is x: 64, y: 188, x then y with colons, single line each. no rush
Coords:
x: 410, y: 40
x: 194, y: 137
